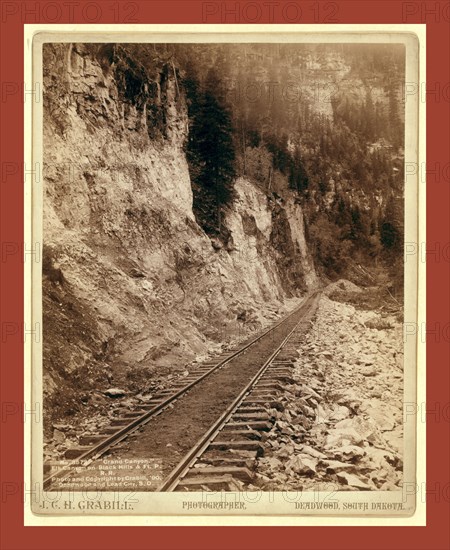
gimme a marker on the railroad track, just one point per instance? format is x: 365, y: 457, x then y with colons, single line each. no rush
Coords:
x: 227, y: 453
x: 94, y: 446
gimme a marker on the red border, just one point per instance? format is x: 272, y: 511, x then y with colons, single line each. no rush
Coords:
x: 433, y: 537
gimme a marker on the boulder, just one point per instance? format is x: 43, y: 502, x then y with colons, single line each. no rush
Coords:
x: 369, y: 371
x: 366, y: 428
x: 62, y: 427
x: 335, y: 466
x: 365, y: 359
x: 348, y: 452
x: 58, y: 436
x: 353, y: 481
x: 301, y: 464
x: 343, y: 436
x: 339, y: 413
x: 286, y: 450
x: 395, y: 440
x: 115, y: 392
x: 382, y: 413
x: 271, y: 462
x: 350, y: 399
x: 306, y: 449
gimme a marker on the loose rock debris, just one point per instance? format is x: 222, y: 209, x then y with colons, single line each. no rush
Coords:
x: 342, y: 421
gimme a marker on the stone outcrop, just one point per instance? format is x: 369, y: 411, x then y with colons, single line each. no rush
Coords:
x: 132, y: 286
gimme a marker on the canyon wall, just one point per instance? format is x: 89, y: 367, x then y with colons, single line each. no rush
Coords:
x: 133, y: 288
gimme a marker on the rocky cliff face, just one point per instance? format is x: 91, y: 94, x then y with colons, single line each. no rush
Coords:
x: 133, y: 288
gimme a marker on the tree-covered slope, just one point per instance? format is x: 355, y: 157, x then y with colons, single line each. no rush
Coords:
x: 326, y: 121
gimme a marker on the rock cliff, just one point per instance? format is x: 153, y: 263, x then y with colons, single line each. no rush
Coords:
x: 133, y: 288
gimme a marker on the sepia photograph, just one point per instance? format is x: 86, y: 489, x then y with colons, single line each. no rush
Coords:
x: 224, y: 283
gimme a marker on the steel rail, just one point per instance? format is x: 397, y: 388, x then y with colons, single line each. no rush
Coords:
x: 176, y: 475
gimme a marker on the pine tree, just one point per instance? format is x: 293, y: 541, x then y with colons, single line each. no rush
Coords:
x: 210, y: 154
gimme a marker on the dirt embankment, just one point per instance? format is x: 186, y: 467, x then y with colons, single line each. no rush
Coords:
x: 346, y: 430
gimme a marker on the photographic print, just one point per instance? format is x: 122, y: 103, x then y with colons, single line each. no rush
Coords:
x: 225, y: 288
